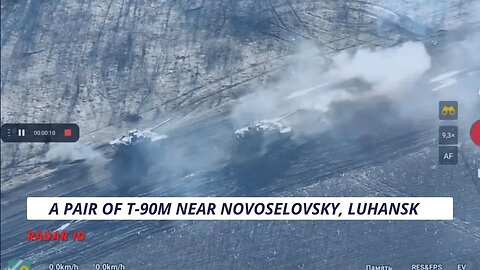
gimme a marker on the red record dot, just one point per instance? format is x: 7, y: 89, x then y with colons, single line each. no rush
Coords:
x: 475, y: 132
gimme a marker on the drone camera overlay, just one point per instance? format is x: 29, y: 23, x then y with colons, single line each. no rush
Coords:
x: 246, y: 134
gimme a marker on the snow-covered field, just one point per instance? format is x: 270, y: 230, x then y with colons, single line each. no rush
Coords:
x: 364, y: 77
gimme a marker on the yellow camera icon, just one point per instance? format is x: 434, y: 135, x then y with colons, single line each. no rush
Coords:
x: 448, y: 110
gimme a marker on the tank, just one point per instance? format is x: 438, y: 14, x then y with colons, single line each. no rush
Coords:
x: 259, y: 138
x: 263, y: 151
x: 134, y: 154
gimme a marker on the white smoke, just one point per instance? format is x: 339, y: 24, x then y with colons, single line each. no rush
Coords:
x: 358, y: 78
x: 388, y: 70
x: 69, y: 152
x: 73, y: 152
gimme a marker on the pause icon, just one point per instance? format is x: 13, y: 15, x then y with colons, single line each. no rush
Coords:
x: 21, y: 132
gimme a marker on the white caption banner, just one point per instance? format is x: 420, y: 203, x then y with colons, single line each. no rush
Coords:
x: 239, y: 208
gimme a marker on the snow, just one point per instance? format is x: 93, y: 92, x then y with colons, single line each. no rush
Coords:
x: 384, y: 13
x: 305, y: 91
x: 445, y: 84
x: 63, y: 227
x: 444, y: 76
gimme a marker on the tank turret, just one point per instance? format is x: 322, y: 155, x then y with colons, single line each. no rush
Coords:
x: 135, y: 152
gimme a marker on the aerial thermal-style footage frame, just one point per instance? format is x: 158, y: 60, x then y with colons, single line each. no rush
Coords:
x: 265, y: 98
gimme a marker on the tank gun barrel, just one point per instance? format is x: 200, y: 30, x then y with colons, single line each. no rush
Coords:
x: 287, y: 115
x: 158, y: 125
